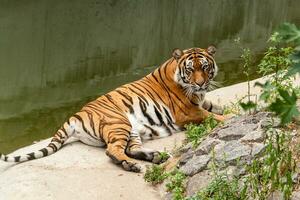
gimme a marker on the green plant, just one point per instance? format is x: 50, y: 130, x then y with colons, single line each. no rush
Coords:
x: 176, y: 184
x: 247, y: 62
x: 155, y: 174
x: 222, y: 188
x: 274, y: 170
x: 278, y: 92
x: 285, y: 106
x: 290, y: 34
x: 195, y: 133
x: 164, y: 155
x: 233, y: 108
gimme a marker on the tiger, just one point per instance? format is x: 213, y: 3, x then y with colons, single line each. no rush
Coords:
x: 158, y: 105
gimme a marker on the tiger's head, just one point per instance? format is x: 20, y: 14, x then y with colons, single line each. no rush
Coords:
x: 195, y: 69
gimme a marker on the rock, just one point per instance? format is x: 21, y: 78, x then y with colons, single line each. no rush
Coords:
x: 295, y: 195
x: 168, y: 196
x: 232, y: 171
x: 198, y: 182
x: 266, y: 122
x: 186, y: 148
x: 232, y: 151
x: 257, y: 149
x: 185, y: 158
x: 276, y: 195
x: 228, y: 149
x: 206, y: 146
x: 195, y: 165
x: 254, y: 136
x: 295, y: 178
x: 236, y: 131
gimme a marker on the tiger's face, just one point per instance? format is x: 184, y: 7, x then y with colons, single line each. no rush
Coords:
x: 195, y: 70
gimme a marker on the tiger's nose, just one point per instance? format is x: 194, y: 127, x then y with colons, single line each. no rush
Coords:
x: 200, y: 82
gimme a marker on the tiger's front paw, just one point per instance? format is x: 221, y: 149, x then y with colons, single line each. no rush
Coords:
x: 229, y: 116
x: 222, y: 118
x: 160, y: 157
x: 131, y: 166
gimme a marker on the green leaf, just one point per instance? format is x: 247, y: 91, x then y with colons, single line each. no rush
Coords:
x: 248, y: 105
x: 285, y: 106
x: 294, y: 69
x: 289, y: 33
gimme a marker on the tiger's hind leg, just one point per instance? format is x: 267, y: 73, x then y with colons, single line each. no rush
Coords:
x: 116, y: 151
x: 137, y: 151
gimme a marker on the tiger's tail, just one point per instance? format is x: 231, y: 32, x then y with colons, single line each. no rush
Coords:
x: 56, y: 143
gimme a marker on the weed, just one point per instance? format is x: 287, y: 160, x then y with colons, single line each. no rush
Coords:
x: 164, y: 155
x: 221, y: 188
x: 176, y: 184
x: 289, y: 33
x: 247, y: 62
x: 155, y: 174
x: 195, y: 133
x: 233, y: 108
x: 278, y: 92
x: 274, y: 171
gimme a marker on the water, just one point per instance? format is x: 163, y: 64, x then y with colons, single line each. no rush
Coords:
x: 57, y: 55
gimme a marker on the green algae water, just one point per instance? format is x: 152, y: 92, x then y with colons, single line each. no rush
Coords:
x: 57, y: 55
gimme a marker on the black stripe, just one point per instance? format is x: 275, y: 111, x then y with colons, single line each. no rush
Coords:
x: 114, y: 139
x: 59, y: 134
x: 163, y: 87
x: 154, y: 132
x: 128, y: 106
x: 166, y: 65
x: 134, y: 144
x: 144, y: 111
x: 170, y: 91
x: 17, y: 158
x: 5, y: 158
x: 44, y: 151
x: 159, y: 116
x: 64, y: 130
x: 151, y: 95
x: 110, y: 99
x: 31, y: 156
x: 158, y: 95
x: 183, y: 60
x: 83, y: 126
x: 53, y: 146
x: 92, y: 125
x: 210, y: 108
x: 126, y: 96
x: 103, y: 105
x: 153, y: 75
x: 101, y: 102
x: 148, y: 92
x: 168, y: 115
x: 56, y: 140
x: 195, y: 104
x: 121, y: 133
x: 142, y: 96
x: 123, y: 129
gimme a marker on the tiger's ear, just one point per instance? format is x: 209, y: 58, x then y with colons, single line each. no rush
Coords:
x: 177, y: 53
x: 211, y: 50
